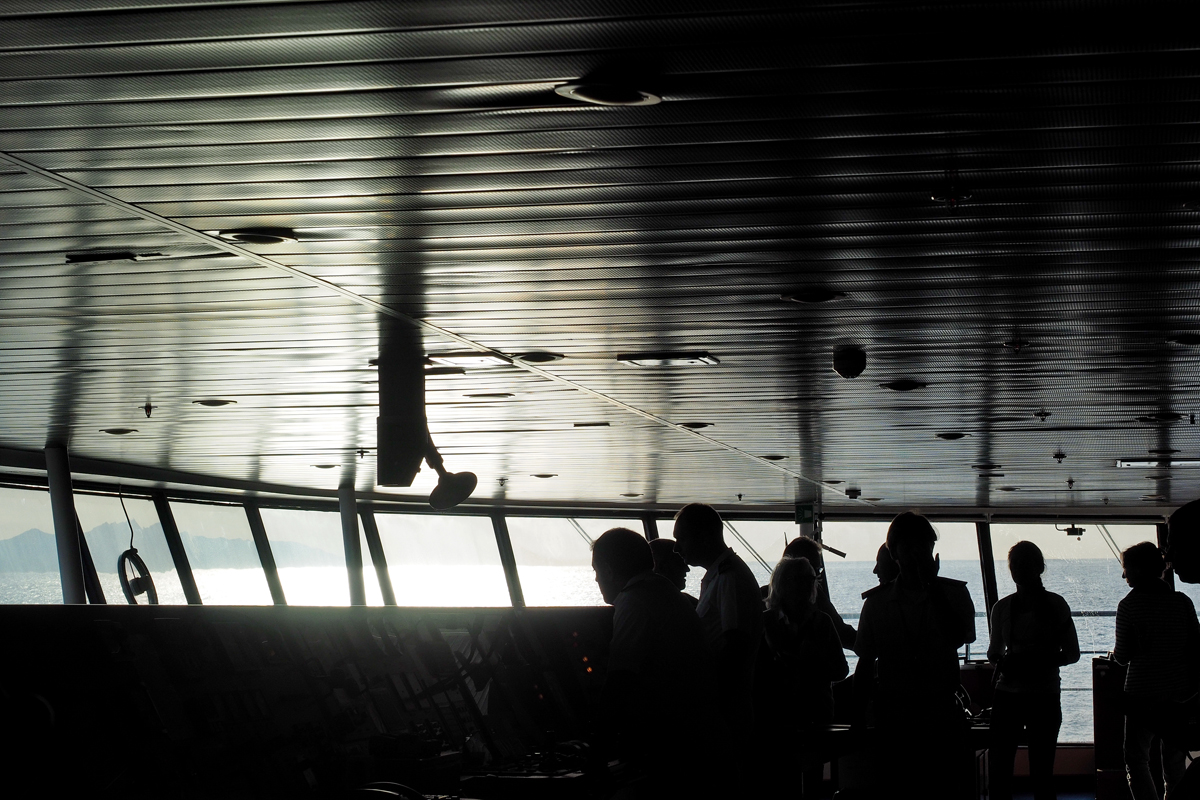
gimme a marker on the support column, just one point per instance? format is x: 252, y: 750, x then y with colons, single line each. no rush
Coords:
x: 66, y: 531
x: 265, y: 557
x: 371, y: 532
x: 987, y: 564
x: 352, y: 545
x: 1164, y: 530
x: 508, y: 560
x: 183, y: 567
x: 650, y: 527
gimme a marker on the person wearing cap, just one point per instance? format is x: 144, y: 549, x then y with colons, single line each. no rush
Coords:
x: 669, y: 564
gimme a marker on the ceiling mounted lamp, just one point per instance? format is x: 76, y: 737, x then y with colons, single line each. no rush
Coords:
x: 103, y: 256
x: 1059, y: 456
x: 631, y: 494
x: 540, y: 357
x: 214, y: 402
x: 952, y: 194
x: 436, y: 371
x: 853, y: 493
x: 873, y: 499
x: 774, y: 457
x: 1153, y: 498
x: 813, y: 295
x: 1158, y: 477
x: 1162, y: 451
x: 591, y: 425
x: 1009, y: 488
x: 832, y: 483
x: 452, y: 487
x: 668, y: 358
x: 990, y: 474
x: 490, y: 396
x: 695, y: 426
x: 544, y: 475
x: 607, y: 94
x: 118, y: 431
x: 1042, y: 414
x: 325, y: 466
x: 953, y: 436
x: 903, y: 385
x: 1016, y: 344
x: 259, y: 235
x: 1166, y: 416
x: 1157, y: 464
x: 986, y: 466
x: 849, y: 361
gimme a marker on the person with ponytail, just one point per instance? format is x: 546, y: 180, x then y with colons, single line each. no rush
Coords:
x: 1032, y: 636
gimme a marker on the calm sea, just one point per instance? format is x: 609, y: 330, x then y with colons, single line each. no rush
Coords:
x: 1087, y: 584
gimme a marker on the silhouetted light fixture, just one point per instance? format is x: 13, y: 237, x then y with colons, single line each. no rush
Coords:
x: 540, y: 357
x: 1152, y: 498
x: 118, y: 431
x: 832, y: 483
x: 591, y: 424
x: 813, y: 294
x: 1158, y: 477
x: 849, y: 361
x: 259, y: 235
x: 490, y: 396
x: 774, y: 457
x: 101, y: 256
x: 953, y: 436
x: 696, y: 425
x: 1017, y: 344
x: 326, y: 466
x: 1042, y: 414
x: 544, y: 475
x: 990, y: 474
x: 1189, y: 339
x: 149, y: 407
x: 853, y: 493
x: 1009, y: 488
x: 903, y: 385
x: 667, y: 358
x: 1162, y: 451
x: 1059, y: 455
x: 1071, y: 530
x: 870, y: 500
x: 473, y: 358
x: 452, y: 487
x: 1167, y: 416
x: 631, y: 494
x: 1158, y: 464
x: 607, y: 94
x: 214, y: 402
x: 986, y: 466
x: 435, y: 371
x: 952, y: 194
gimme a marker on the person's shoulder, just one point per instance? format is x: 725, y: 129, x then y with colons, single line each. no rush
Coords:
x: 1185, y: 601
x: 1003, y: 603
x: 948, y: 582
x: 875, y: 591
x: 1058, y: 601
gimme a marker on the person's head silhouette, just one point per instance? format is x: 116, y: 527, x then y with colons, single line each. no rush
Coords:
x: 1142, y: 563
x: 804, y: 547
x: 886, y: 568
x: 793, y: 587
x: 668, y: 562
x: 699, y: 534
x: 1026, y: 564
x: 911, y: 539
x: 1183, y: 543
x: 617, y: 556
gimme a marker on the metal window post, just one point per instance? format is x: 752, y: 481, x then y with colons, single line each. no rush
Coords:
x: 183, y: 567
x: 650, y: 527
x: 66, y: 525
x: 265, y: 556
x: 352, y: 545
x: 91, y: 581
x: 1163, y: 530
x: 366, y: 512
x: 508, y: 560
x: 987, y: 563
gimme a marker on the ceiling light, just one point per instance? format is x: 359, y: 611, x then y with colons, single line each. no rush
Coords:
x: 853, y: 493
x: 591, y: 424
x: 832, y: 483
x: 1164, y: 464
x: 1009, y: 488
x: 119, y: 431
x: 540, y: 357
x: 544, y: 475
x: 1186, y: 338
x: 1017, y: 344
x: 986, y: 465
x: 490, y: 396
x: 631, y: 494
x: 990, y: 474
x: 472, y: 358
x: 1150, y: 498
x: 1158, y: 477
x: 1059, y: 456
x: 695, y: 425
x: 872, y: 499
x: 813, y: 294
x: 1042, y: 414
x: 435, y: 371
x: 99, y: 257
x: 259, y: 235
x: 903, y: 385
x: 953, y: 436
x: 214, y: 402
x: 774, y: 458
x: 326, y: 466
x: 1162, y: 451
x: 1167, y: 416
x: 665, y: 358
x: 849, y: 361
x: 452, y: 487
x: 605, y: 94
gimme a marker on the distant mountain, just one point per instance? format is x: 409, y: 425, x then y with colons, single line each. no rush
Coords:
x: 35, y: 550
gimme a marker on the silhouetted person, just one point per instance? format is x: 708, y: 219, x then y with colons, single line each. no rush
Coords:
x: 886, y: 569
x: 1183, y: 556
x: 730, y: 610
x: 659, y: 670
x: 670, y: 564
x: 1032, y: 636
x: 1158, y: 637
x: 909, y: 634
x: 804, y: 547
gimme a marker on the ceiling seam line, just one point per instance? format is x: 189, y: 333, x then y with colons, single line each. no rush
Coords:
x: 354, y: 297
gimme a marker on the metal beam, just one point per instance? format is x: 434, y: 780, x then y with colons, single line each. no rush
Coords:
x: 508, y: 560
x: 351, y: 544
x: 66, y: 525
x: 987, y: 564
x: 375, y: 545
x: 650, y: 527
x: 265, y: 557
x: 183, y: 567
x: 1163, y: 530
x: 91, y: 581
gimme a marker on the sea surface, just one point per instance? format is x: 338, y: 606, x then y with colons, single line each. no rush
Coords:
x: 1089, y: 585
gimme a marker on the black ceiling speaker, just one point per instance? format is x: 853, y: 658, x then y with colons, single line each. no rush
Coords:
x: 849, y: 361
x: 452, y: 487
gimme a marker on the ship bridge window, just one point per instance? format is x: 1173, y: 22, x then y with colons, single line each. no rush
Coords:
x: 554, y: 558
x: 1086, y: 571
x: 311, y: 560
x: 442, y: 560
x: 107, y: 534
x: 760, y: 544
x: 222, y: 554
x: 28, y: 554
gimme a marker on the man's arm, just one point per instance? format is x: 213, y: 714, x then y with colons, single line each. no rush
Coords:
x: 1068, y: 643
x: 1124, y: 647
x: 997, y: 644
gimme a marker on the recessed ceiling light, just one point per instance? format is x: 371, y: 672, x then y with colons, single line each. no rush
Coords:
x: 953, y: 436
x: 118, y: 431
x: 986, y: 466
x: 490, y: 396
x: 605, y: 94
x: 259, y: 235
x: 591, y: 424
x: 990, y: 474
x: 853, y: 493
x: 544, y: 475
x: 872, y: 499
x: 1158, y: 477
x: 1166, y: 416
x: 774, y: 457
x: 695, y: 425
x: 326, y: 466
x: 667, y: 358
x: 214, y: 402
x: 1162, y: 451
x: 1017, y: 344
x: 472, y: 358
x: 540, y: 357
x: 903, y: 385
x: 631, y: 494
x: 832, y: 483
x: 1160, y: 464
x: 99, y: 257
x: 1189, y: 339
x: 435, y: 371
x: 813, y: 294
x: 1042, y: 414
x: 1150, y: 498
x: 1009, y: 488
